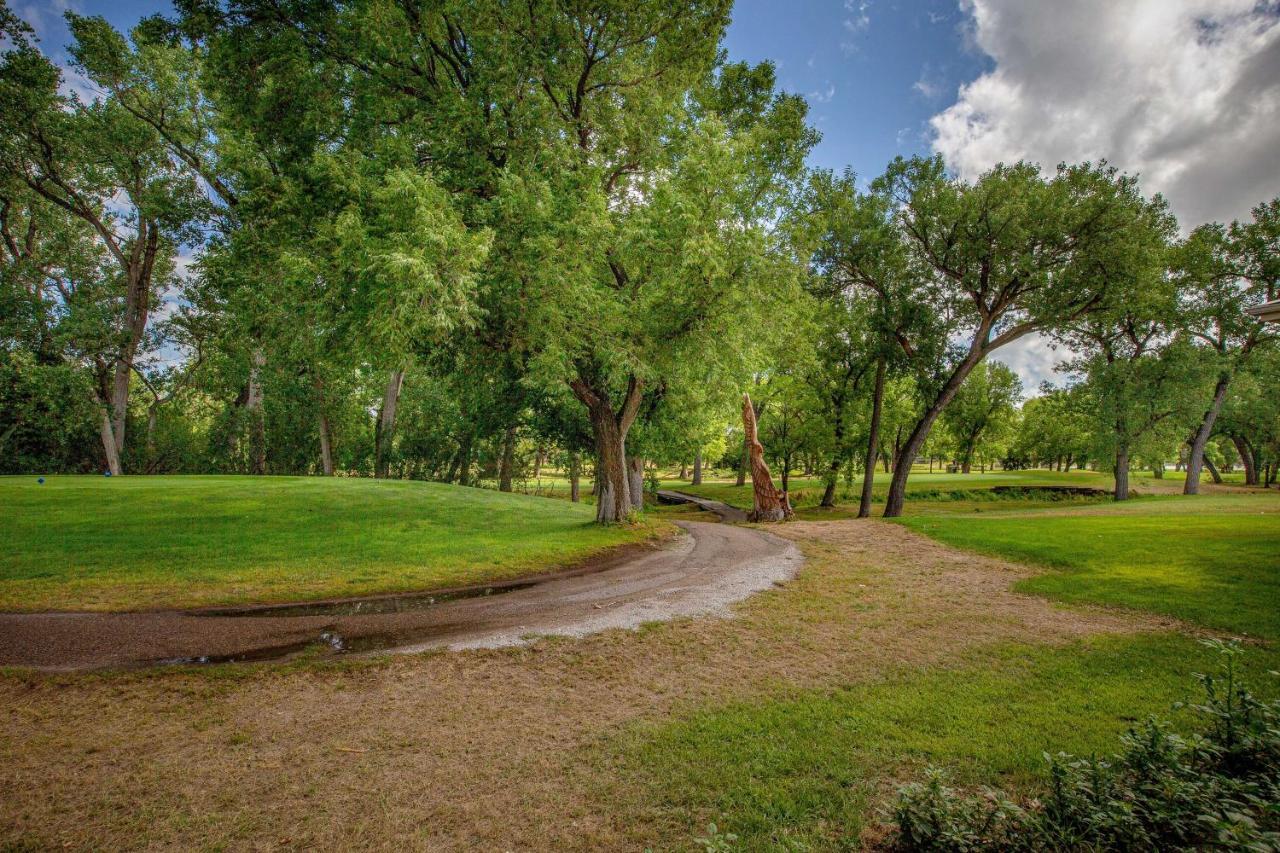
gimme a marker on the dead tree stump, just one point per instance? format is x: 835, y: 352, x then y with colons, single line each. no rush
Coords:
x: 770, y: 504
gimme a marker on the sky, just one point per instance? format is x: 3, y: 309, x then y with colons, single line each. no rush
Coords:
x: 1184, y: 93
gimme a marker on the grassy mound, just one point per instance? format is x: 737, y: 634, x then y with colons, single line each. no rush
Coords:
x: 93, y: 543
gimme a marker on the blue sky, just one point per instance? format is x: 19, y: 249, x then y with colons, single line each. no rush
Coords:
x: 874, y: 72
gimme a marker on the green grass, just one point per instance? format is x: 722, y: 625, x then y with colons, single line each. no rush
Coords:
x: 1212, y: 560
x: 800, y: 772
x: 93, y: 543
x: 921, y: 485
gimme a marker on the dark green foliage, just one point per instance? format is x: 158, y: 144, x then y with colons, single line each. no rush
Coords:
x: 1217, y: 788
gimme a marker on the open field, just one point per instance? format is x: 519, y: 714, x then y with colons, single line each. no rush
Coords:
x: 788, y: 726
x: 97, y: 543
x: 1213, y: 560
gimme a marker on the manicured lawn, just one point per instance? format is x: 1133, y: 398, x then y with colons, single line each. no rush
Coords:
x: 922, y: 485
x: 1212, y: 560
x: 93, y: 543
x: 801, y: 773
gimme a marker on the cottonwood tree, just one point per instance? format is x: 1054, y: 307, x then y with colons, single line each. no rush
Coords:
x: 1223, y: 272
x: 665, y: 265
x: 870, y: 310
x: 983, y: 408
x: 99, y: 164
x: 999, y: 252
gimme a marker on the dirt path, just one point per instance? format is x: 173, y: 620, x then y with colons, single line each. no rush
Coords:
x: 701, y: 573
x: 489, y: 749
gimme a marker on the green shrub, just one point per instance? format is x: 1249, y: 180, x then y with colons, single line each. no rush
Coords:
x: 1218, y: 788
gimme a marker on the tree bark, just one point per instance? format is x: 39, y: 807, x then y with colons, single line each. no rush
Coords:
x: 257, y: 419
x: 326, y: 451
x: 1122, y: 474
x: 1201, y: 437
x: 109, y: 447
x: 873, y: 442
x: 635, y: 482
x: 697, y: 467
x: 385, y: 429
x: 1246, y: 459
x: 920, y: 434
x: 770, y: 504
x: 1213, y: 471
x: 837, y: 455
x: 609, y: 428
x: 575, y: 476
x: 508, y: 459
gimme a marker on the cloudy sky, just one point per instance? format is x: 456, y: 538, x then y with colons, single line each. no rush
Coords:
x: 1185, y: 93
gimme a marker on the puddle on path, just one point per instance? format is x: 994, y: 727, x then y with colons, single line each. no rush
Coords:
x: 407, y: 603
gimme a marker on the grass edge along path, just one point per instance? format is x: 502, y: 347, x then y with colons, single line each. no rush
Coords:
x: 125, y: 543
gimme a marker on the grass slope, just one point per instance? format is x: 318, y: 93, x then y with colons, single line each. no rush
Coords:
x: 1210, y: 560
x: 93, y: 543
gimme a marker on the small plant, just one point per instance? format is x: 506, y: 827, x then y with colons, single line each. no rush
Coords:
x: 716, y: 841
x: 1219, y: 788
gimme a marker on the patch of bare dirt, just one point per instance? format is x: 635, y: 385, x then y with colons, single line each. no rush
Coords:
x: 489, y: 749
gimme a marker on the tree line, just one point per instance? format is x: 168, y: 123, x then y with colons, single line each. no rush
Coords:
x: 461, y: 240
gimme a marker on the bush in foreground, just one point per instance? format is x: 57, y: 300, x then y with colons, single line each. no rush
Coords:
x: 1218, y: 789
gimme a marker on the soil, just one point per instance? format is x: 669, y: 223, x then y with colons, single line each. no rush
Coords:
x: 494, y: 749
x: 708, y: 568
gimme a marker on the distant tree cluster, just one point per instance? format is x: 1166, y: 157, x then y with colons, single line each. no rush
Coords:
x: 474, y: 242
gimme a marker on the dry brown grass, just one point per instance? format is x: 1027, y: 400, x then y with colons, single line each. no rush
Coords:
x: 480, y: 750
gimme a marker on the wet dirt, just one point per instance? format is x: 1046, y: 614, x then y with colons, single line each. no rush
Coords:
x: 701, y: 573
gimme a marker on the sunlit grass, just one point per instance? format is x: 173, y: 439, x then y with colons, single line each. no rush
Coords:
x: 137, y: 542
x: 1212, y: 560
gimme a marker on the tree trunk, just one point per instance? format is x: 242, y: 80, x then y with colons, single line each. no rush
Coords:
x: 920, y: 433
x: 770, y: 504
x: 1246, y: 459
x: 152, y: 414
x: 464, y: 461
x: 966, y: 467
x: 1201, y: 437
x: 1122, y: 474
x: 385, y: 428
x: 575, y: 476
x: 539, y: 459
x: 609, y: 429
x: 697, y: 467
x: 257, y: 418
x: 326, y: 452
x: 873, y: 442
x: 1213, y: 471
x: 109, y: 448
x: 508, y: 459
x: 684, y: 470
x: 635, y: 482
x: 1158, y: 470
x: 837, y: 453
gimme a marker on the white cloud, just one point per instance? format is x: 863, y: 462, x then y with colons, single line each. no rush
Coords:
x: 1184, y: 92
x: 858, y: 21
x: 930, y: 85
x: 1033, y: 358
x: 823, y: 95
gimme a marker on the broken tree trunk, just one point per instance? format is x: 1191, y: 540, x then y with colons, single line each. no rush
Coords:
x: 770, y: 504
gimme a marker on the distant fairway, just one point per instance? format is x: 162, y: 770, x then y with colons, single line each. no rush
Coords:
x: 1213, y: 560
x: 93, y: 543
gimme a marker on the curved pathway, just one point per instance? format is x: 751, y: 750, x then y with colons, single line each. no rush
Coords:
x: 700, y: 573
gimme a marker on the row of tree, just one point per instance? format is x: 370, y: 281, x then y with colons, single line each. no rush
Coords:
x: 429, y: 239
